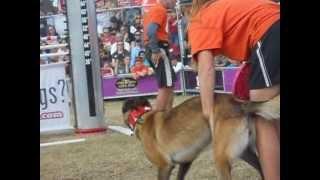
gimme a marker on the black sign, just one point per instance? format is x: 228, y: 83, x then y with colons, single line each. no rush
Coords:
x: 126, y: 83
x: 87, y: 56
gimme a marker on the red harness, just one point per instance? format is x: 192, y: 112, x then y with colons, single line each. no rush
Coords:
x: 136, y: 114
x: 241, y: 83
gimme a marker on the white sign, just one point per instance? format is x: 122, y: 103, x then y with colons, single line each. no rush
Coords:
x: 54, y: 99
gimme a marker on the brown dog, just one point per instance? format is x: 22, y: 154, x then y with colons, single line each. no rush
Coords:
x: 178, y: 136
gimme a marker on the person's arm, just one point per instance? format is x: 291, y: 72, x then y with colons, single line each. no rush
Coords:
x: 115, y: 62
x: 132, y: 69
x: 206, y: 74
x: 152, y: 36
x: 132, y: 58
x: 144, y: 71
x: 174, y: 22
x: 126, y: 62
x: 133, y: 73
x: 153, y: 43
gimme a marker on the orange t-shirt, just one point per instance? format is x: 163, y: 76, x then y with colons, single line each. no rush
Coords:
x: 136, y: 69
x: 232, y: 27
x: 157, y: 14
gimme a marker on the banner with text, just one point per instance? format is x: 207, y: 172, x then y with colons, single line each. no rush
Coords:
x: 126, y: 86
x: 54, y: 99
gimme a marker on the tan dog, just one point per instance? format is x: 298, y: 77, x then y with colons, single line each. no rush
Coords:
x: 178, y: 136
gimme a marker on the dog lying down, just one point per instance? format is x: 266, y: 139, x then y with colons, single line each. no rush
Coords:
x: 178, y: 136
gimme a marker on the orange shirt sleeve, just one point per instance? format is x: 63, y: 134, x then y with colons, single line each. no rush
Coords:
x: 204, y: 36
x: 206, y: 30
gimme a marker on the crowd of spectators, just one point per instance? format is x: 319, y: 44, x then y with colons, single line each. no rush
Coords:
x: 51, y: 7
x: 121, y: 45
x: 52, y: 38
x: 122, y: 50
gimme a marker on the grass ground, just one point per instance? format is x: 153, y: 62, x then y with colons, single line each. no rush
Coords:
x: 114, y: 156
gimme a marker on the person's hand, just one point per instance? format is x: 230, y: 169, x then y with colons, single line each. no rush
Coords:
x: 142, y: 73
x: 155, y: 57
x: 150, y: 71
x: 135, y: 76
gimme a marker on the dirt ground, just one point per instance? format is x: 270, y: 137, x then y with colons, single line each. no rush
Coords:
x: 114, y: 156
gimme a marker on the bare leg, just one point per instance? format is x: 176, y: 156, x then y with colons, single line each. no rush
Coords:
x: 183, y: 169
x: 278, y: 127
x: 268, y: 136
x: 268, y: 146
x: 164, y: 99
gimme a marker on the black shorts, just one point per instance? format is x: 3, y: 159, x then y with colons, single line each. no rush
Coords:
x: 265, y: 60
x: 164, y: 72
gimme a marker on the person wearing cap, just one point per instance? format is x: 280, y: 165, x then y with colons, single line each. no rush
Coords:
x: 247, y: 31
x: 156, y: 43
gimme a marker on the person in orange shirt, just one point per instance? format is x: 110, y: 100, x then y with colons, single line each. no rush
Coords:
x: 247, y: 31
x: 156, y: 43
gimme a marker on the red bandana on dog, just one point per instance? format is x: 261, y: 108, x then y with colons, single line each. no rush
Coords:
x: 136, y: 114
x: 241, y: 82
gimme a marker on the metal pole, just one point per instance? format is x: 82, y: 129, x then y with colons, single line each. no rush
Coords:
x: 86, y: 77
x: 181, y: 44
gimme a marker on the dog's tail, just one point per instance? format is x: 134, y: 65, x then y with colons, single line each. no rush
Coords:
x: 269, y: 110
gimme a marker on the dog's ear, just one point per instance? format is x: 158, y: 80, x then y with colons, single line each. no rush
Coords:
x: 128, y: 105
x: 142, y: 101
x: 133, y: 103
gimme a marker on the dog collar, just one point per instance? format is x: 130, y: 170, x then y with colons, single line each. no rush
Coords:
x: 135, y: 116
x: 140, y: 120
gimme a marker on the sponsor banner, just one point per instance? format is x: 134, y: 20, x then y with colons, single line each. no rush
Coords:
x: 54, y: 99
x: 126, y: 86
